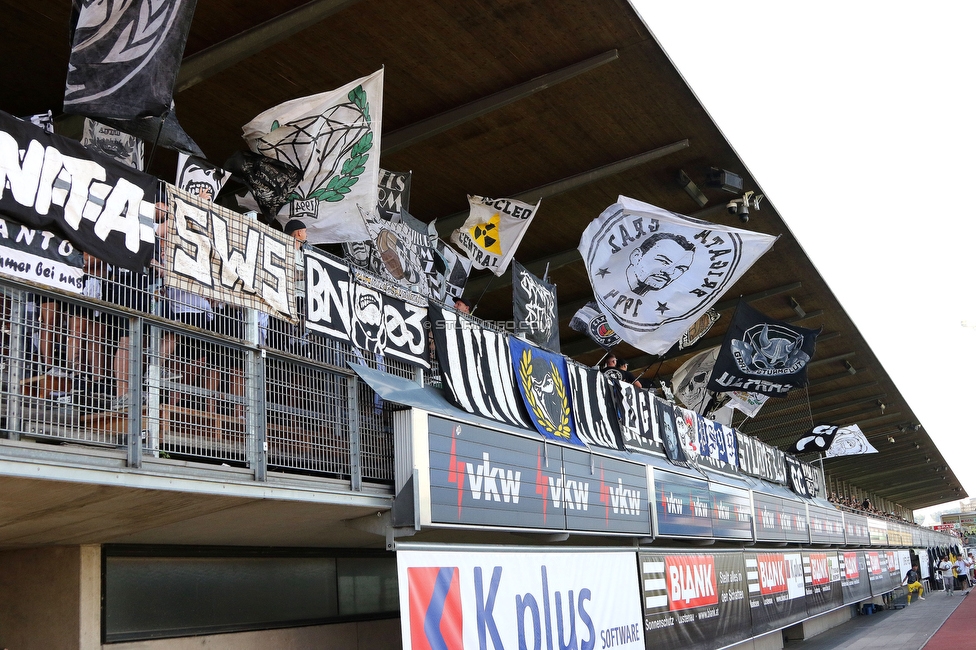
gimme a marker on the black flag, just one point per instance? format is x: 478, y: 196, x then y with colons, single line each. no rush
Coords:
x: 817, y: 439
x: 270, y: 180
x: 762, y: 355
x: 534, y: 308
x: 125, y: 57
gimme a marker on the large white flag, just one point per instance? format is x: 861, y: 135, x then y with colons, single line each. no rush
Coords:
x: 654, y: 272
x: 334, y: 138
x: 493, y: 231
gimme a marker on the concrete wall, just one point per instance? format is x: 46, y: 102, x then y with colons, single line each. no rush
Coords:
x: 50, y: 598
x: 378, y: 635
x: 770, y: 641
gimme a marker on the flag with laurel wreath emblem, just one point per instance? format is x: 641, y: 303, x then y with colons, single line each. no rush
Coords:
x: 543, y: 382
x: 334, y: 139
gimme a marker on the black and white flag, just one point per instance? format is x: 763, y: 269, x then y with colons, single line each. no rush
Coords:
x: 393, y: 194
x: 53, y: 183
x: 636, y: 413
x: 344, y: 309
x: 832, y: 441
x: 594, y: 412
x: 334, y: 139
x: 590, y: 321
x: 655, y: 273
x: 534, y: 308
x: 476, y: 365
x: 270, y: 182
x: 762, y: 355
x: 667, y: 431
x: 199, y: 177
x: 795, y: 477
x: 401, y: 251
x: 125, y: 56
x: 110, y: 141
x: 690, y: 381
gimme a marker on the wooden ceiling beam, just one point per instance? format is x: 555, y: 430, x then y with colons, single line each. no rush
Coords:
x: 419, y: 131
x: 217, y: 58
x: 446, y: 225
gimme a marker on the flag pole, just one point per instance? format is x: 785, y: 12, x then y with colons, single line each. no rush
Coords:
x: 483, y: 292
x: 159, y: 133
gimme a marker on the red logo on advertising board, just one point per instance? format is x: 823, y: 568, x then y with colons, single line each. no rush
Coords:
x: 691, y: 581
x: 435, y: 608
x: 893, y: 563
x: 772, y: 573
x: 874, y: 564
x: 850, y: 566
x: 819, y: 575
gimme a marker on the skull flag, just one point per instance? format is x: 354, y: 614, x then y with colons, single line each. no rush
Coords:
x: 762, y: 355
x: 654, y: 273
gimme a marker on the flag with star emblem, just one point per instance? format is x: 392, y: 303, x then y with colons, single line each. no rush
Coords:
x: 655, y: 273
x: 493, y: 230
x: 591, y: 322
x: 334, y: 139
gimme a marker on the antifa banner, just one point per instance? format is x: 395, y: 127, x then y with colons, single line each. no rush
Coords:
x: 99, y: 205
x: 342, y: 308
x: 125, y: 56
x: 223, y: 256
x: 762, y: 355
x: 542, y: 381
x: 334, y: 139
x: 493, y: 230
x: 593, y: 409
x: 695, y: 601
x: 530, y: 595
x: 476, y: 366
x: 655, y: 273
x: 591, y: 322
x: 40, y: 256
x: 534, y: 308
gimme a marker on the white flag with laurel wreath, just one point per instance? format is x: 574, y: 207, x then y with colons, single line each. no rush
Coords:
x: 334, y: 138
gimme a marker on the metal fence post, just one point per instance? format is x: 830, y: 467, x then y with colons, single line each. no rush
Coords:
x: 16, y: 364
x: 134, y: 445
x: 254, y: 378
x: 355, y: 451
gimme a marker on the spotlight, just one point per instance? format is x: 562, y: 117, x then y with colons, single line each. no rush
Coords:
x: 891, y: 439
x: 797, y: 308
x: 916, y: 427
x: 882, y: 406
x: 851, y: 369
x: 916, y: 446
x: 724, y: 180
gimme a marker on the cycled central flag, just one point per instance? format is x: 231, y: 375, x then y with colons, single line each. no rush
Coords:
x: 654, y: 273
x: 493, y: 231
x: 334, y: 139
x: 544, y: 384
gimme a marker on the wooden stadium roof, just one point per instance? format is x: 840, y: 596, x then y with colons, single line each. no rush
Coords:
x: 568, y: 99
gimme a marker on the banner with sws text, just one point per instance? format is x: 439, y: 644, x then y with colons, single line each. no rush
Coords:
x: 528, y: 599
x: 53, y: 183
x: 223, y: 256
x: 343, y: 308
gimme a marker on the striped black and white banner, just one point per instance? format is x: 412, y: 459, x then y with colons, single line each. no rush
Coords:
x: 593, y: 409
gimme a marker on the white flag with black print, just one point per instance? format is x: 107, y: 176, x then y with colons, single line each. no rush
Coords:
x: 534, y: 308
x: 334, y: 139
x: 493, y: 230
x: 476, y: 365
x: 593, y: 408
x: 654, y: 273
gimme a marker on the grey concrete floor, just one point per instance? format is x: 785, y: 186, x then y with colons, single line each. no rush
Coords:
x: 898, y: 629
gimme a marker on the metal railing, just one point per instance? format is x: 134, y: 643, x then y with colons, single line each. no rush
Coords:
x: 130, y: 364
